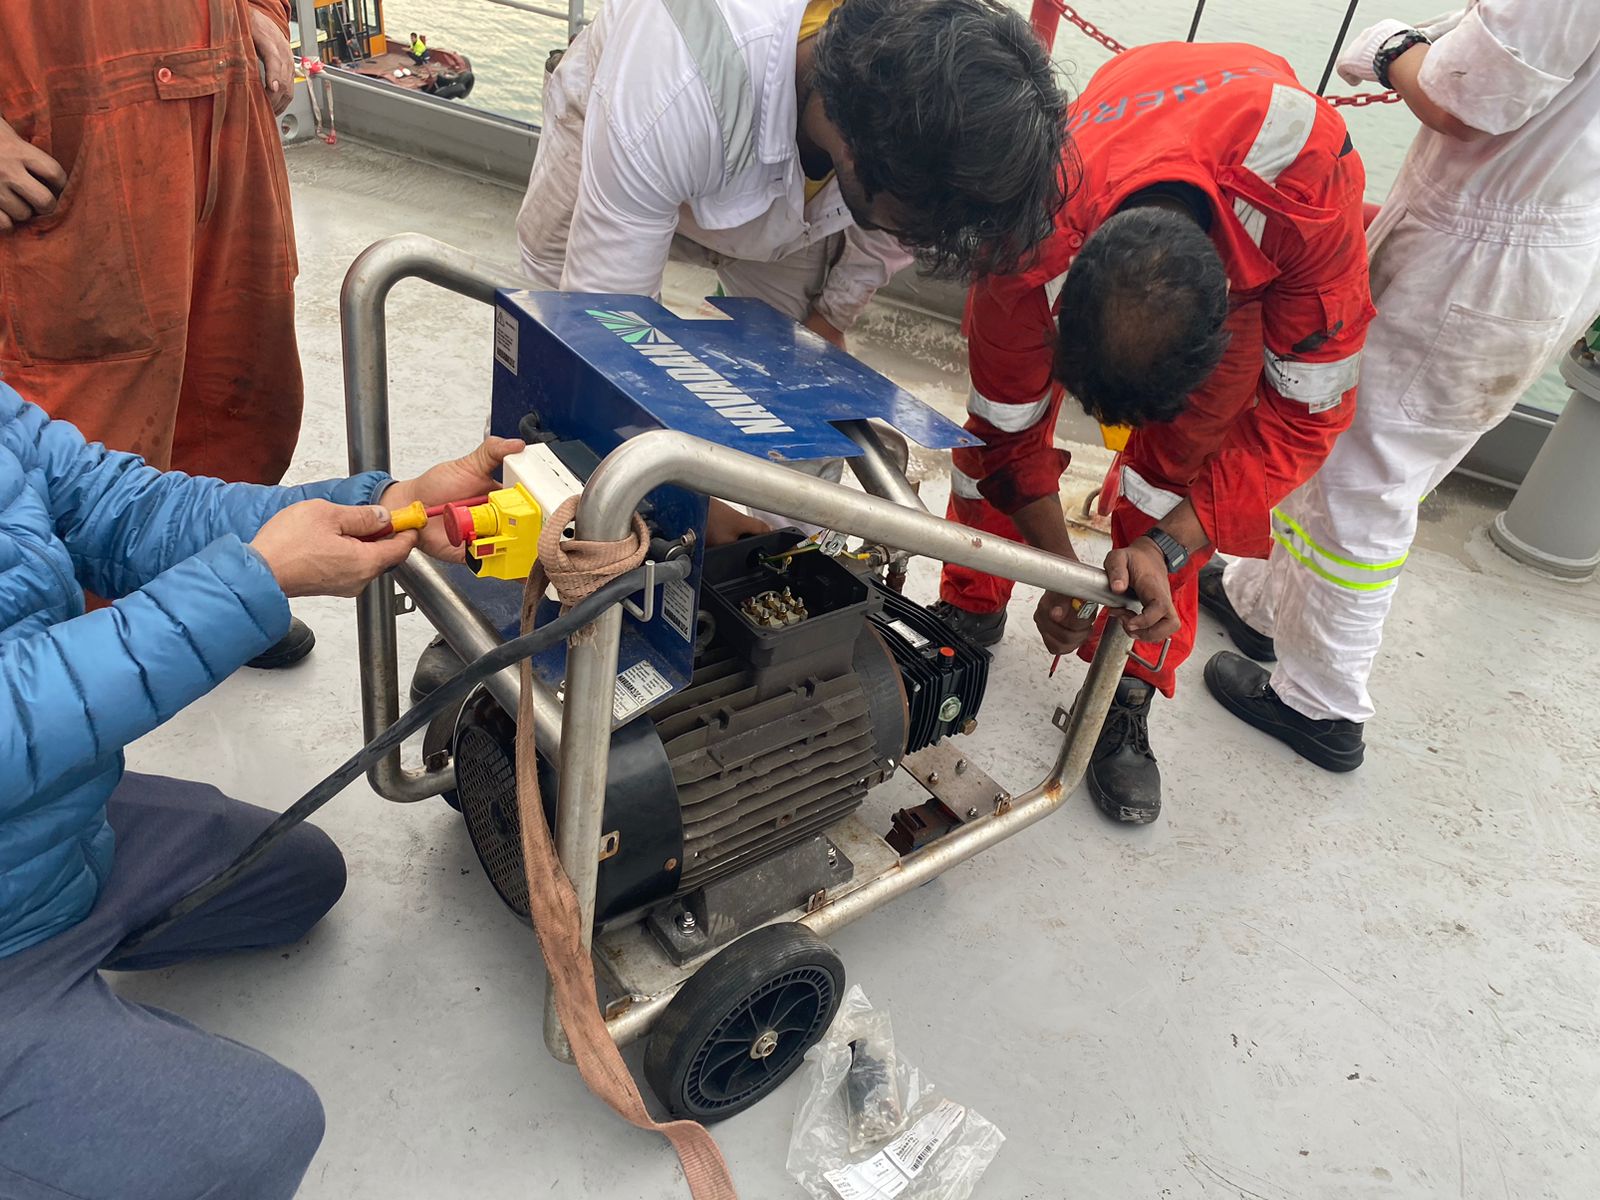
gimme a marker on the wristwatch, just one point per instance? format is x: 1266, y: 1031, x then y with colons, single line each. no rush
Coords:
x: 1174, y: 551
x: 1393, y: 48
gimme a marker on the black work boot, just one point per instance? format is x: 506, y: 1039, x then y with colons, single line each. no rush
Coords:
x: 981, y: 629
x: 290, y: 649
x: 1245, y: 690
x: 436, y: 666
x: 1123, y: 776
x: 1215, y: 601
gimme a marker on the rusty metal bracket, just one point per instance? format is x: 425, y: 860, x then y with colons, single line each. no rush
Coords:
x: 953, y: 778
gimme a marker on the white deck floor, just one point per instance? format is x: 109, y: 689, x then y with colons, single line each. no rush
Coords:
x: 1384, y: 984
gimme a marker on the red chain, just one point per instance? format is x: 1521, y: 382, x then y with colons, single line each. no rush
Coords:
x: 1090, y: 28
x: 1363, y: 100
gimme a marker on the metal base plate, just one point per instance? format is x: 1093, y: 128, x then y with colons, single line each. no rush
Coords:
x: 966, y: 788
x: 633, y: 966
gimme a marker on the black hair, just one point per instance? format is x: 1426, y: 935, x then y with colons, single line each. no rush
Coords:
x: 953, y: 108
x: 1143, y: 309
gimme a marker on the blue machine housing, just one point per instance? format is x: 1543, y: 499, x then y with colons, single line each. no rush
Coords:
x: 598, y: 369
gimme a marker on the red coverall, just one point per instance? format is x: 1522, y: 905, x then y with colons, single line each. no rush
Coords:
x: 1285, y: 189
x: 154, y: 308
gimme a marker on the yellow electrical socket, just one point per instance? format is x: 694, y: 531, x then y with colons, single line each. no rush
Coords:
x: 506, y: 532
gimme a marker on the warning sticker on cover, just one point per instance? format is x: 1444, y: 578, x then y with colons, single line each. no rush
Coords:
x: 505, y: 340
x: 636, y: 687
x: 677, y: 605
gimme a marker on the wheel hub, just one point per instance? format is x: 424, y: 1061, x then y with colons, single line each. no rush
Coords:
x: 764, y: 1045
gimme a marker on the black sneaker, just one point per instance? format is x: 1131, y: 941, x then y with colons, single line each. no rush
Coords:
x: 293, y: 647
x: 1215, y: 601
x: 1245, y: 690
x: 981, y: 629
x: 1123, y: 776
x: 437, y: 666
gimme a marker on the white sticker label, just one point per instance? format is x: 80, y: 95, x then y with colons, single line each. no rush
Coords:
x: 913, y: 1148
x: 677, y: 605
x: 505, y: 340
x: 875, y: 1179
x: 908, y: 635
x: 637, y: 687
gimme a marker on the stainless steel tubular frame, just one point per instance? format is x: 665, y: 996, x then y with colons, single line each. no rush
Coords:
x: 605, y: 510
x: 366, y: 406
x: 875, y: 468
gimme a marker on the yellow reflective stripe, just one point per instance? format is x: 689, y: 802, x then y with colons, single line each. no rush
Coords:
x: 1395, y: 565
x: 1306, y: 562
x: 1356, y: 576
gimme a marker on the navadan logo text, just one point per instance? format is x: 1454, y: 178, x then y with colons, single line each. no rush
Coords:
x: 715, y: 391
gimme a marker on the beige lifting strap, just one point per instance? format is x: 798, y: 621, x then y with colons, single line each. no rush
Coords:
x: 577, y: 569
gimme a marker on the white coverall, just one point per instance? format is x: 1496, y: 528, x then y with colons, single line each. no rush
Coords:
x: 679, y: 116
x: 1485, y: 263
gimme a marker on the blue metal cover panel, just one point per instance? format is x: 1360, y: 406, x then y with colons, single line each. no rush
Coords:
x: 599, y: 369
x: 757, y: 382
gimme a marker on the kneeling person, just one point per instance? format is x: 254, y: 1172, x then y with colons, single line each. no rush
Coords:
x: 1210, y: 281
x: 101, y: 1098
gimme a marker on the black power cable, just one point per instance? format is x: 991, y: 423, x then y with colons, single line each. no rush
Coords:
x: 1338, y: 44
x: 1194, y: 25
x: 504, y: 655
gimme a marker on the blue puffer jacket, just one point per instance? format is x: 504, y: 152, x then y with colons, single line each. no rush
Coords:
x: 196, y: 604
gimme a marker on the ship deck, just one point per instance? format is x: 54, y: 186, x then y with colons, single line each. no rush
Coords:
x: 1295, y: 984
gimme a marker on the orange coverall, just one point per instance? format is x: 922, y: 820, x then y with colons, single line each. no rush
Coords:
x: 154, y: 308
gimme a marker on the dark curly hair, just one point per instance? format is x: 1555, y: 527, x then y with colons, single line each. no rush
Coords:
x: 953, y: 108
x: 1142, y: 314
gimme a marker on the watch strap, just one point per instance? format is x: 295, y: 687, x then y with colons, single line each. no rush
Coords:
x: 1393, y: 49
x: 1172, y: 550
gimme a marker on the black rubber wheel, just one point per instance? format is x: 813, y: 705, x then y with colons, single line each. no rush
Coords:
x: 742, y: 1023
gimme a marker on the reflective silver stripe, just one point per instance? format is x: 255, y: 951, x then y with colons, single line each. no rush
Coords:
x: 1146, y: 497
x: 964, y: 485
x: 1007, y: 418
x: 716, y: 56
x: 1319, y: 386
x: 1352, y: 574
x: 1283, y: 135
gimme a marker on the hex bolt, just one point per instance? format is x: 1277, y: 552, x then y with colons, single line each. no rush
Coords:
x: 686, y: 922
x: 833, y: 856
x: 972, y: 813
x: 961, y: 766
x: 933, y: 777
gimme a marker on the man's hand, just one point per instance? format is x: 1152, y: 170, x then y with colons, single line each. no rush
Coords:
x: 1140, y: 568
x: 725, y: 523
x: 1063, y: 631
x: 272, y: 47
x: 476, y: 474
x: 820, y: 325
x: 314, y: 549
x: 30, y: 180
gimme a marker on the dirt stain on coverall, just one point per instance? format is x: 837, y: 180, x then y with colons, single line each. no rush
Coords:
x: 154, y: 308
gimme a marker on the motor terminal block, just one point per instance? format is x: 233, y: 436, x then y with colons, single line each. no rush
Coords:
x: 501, y: 535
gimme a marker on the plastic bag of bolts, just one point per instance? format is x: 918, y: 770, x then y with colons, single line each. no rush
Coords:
x: 873, y: 1127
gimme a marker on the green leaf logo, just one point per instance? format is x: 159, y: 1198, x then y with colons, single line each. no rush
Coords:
x: 630, y: 327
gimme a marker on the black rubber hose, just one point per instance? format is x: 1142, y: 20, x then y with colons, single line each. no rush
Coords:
x: 1338, y: 44
x: 502, y: 656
